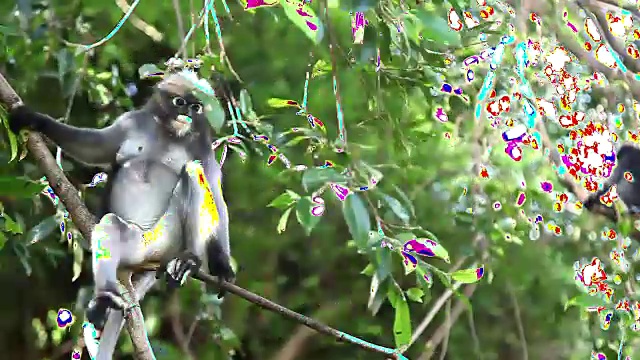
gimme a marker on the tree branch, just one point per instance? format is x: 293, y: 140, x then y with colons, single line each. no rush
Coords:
x: 68, y: 194
x: 292, y: 315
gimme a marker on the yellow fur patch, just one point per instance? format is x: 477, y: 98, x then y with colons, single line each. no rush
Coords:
x: 209, y: 216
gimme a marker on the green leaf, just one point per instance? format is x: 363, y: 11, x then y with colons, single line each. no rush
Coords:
x: 282, y: 223
x: 369, y: 270
x: 441, y: 252
x: 284, y: 200
x: 78, y: 255
x: 246, y: 105
x: 466, y: 276
x: 19, y: 187
x: 436, y: 28
x: 42, y: 230
x: 148, y: 70
x: 10, y: 225
x: 584, y: 301
x: 421, y: 278
x: 316, y: 177
x: 310, y: 24
x: 303, y: 213
x: 402, y: 322
x: 13, y: 140
x: 3, y: 240
x: 320, y: 67
x: 356, y: 215
x: 397, y: 208
x: 376, y: 294
x: 415, y: 294
x: 213, y: 111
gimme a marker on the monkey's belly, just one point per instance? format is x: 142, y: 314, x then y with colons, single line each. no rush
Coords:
x: 142, y: 192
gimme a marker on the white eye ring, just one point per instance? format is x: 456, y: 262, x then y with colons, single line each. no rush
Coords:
x: 178, y: 101
x: 197, y: 108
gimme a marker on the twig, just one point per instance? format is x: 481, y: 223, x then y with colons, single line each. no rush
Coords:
x: 140, y: 24
x: 474, y: 335
x: 445, y: 345
x: 292, y: 315
x: 334, y: 73
x: 115, y: 29
x: 67, y: 193
x: 181, y: 33
x: 441, y: 331
x: 177, y: 327
x: 438, y: 304
x: 516, y: 310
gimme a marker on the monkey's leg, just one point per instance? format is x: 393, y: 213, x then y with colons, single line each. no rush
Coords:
x: 115, y: 320
x: 106, y: 249
x: 206, y: 222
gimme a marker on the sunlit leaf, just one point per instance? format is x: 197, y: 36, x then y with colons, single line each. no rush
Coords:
x: 304, y: 19
x: 468, y: 276
x: 402, y: 322
x: 282, y: 223
x: 213, y: 111
x: 10, y: 225
x: 284, y: 200
x: 415, y: 294
x: 280, y: 103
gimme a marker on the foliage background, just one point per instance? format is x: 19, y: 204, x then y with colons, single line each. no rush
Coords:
x: 430, y: 179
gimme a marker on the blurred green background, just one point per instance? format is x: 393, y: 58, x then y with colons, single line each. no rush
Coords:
x: 332, y: 267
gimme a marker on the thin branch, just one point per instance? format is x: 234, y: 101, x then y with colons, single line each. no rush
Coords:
x: 292, y: 315
x: 181, y: 33
x: 445, y: 345
x: 516, y: 310
x: 334, y: 72
x: 68, y: 194
x: 140, y: 24
x: 442, y: 330
x: 177, y: 326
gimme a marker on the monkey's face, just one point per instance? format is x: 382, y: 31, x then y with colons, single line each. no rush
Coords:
x: 184, y: 113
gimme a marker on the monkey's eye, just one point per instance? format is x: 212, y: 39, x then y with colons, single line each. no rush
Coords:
x: 196, y: 108
x: 178, y: 101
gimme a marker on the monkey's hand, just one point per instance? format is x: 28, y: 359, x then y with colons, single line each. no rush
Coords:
x: 180, y: 268
x: 594, y: 205
x: 22, y: 118
x: 98, y: 307
x: 223, y: 270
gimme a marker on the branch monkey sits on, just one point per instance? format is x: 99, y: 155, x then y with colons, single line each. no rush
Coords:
x: 165, y: 204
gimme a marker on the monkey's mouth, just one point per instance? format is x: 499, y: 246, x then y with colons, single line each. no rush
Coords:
x: 181, y: 125
x: 183, y: 119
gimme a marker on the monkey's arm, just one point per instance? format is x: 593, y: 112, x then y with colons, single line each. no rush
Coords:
x: 628, y: 157
x: 91, y: 146
x: 206, y: 217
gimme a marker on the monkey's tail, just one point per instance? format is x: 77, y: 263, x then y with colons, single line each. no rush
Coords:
x: 110, y: 335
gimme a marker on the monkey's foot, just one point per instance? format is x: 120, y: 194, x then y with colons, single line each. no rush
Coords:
x: 98, y: 307
x: 179, y: 269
